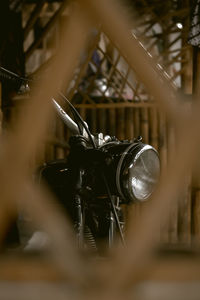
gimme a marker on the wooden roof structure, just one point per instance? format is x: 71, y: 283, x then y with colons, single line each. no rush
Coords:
x: 161, y: 28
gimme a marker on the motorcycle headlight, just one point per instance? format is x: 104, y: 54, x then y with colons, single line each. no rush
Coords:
x: 137, y: 173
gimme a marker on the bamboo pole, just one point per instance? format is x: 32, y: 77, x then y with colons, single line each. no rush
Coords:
x: 83, y: 113
x: 129, y: 126
x: 173, y: 220
x: 153, y: 116
x: 46, y: 29
x: 195, y: 173
x: 145, y: 125
x: 116, y: 105
x: 163, y: 158
x: 187, y: 56
x: 112, y: 122
x: 185, y: 205
x: 184, y: 220
x: 173, y: 224
x: 94, y: 120
x: 102, y: 120
x: 163, y: 150
x: 120, y: 123
x: 136, y: 120
x: 163, y: 139
x: 33, y: 18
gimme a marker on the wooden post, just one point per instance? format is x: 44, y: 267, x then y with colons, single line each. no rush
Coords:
x: 112, y: 121
x: 46, y: 29
x: 184, y: 220
x: 196, y: 172
x: 120, y: 123
x: 83, y: 113
x: 129, y: 126
x: 94, y: 120
x: 185, y: 205
x: 187, y: 64
x: 153, y: 116
x: 33, y: 18
x: 144, y: 125
x: 163, y: 157
x: 102, y: 120
x: 173, y: 220
x: 163, y: 139
x: 136, y: 121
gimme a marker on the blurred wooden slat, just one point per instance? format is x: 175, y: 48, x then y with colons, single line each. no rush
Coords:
x: 184, y: 220
x: 173, y: 220
x: 145, y: 120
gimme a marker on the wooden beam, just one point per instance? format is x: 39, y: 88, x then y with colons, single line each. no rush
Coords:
x: 116, y: 105
x: 33, y: 18
x: 46, y: 29
x: 174, y: 267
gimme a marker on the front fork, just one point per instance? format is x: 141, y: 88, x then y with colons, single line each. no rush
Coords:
x: 113, y: 227
x: 111, y: 230
x: 79, y: 221
x: 79, y: 213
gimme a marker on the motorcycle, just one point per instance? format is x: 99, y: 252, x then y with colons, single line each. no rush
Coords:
x: 99, y: 177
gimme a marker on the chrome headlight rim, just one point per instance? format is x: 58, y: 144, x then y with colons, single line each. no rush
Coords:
x: 136, y: 150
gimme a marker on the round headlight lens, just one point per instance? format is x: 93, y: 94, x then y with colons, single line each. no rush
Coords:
x: 138, y: 172
x: 143, y: 174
